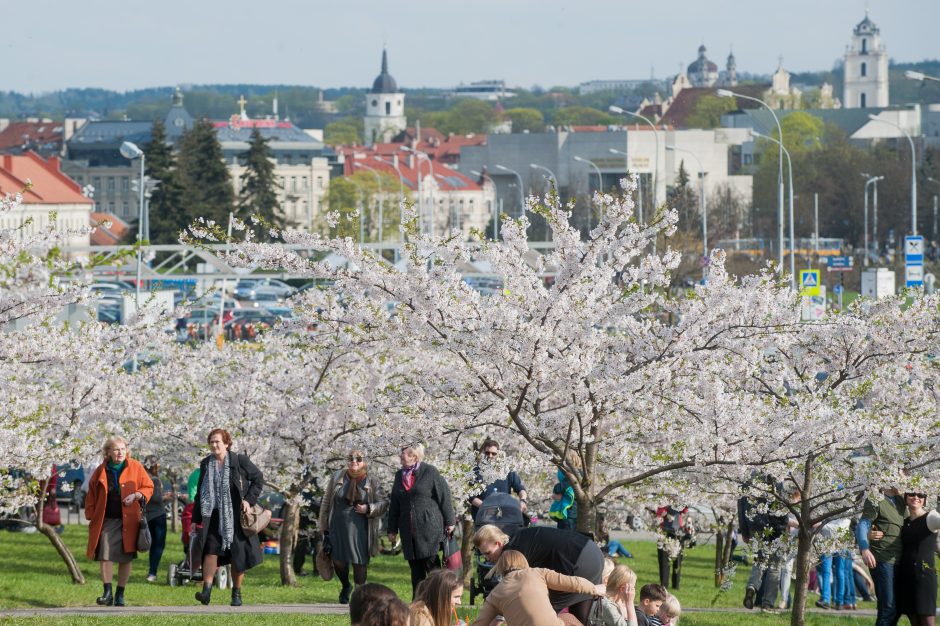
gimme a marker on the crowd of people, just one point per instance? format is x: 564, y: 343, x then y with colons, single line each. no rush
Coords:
x: 539, y: 575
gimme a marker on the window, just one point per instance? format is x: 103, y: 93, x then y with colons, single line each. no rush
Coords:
x: 864, y: 71
x: 375, y: 103
x: 864, y: 46
x: 388, y: 108
x: 304, y: 184
x: 862, y: 101
x: 125, y: 184
x: 293, y: 183
x: 110, y: 184
x: 319, y: 182
x: 96, y: 183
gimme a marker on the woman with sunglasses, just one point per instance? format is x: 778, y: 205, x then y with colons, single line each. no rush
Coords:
x: 351, y: 514
x: 915, y: 581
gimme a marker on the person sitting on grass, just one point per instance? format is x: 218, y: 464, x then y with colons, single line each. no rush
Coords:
x: 617, y: 605
x: 669, y: 612
x: 364, y: 596
x: 652, y: 597
x: 436, y: 599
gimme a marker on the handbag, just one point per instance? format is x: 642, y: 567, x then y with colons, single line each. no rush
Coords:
x: 144, y: 540
x: 452, y: 558
x: 255, y: 520
x: 51, y: 516
x: 324, y: 563
x: 596, y: 618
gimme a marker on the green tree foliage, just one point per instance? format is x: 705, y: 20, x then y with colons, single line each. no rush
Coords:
x: 685, y: 200
x: 466, y: 117
x: 526, y: 119
x: 167, y: 217
x: 581, y: 116
x: 259, y: 184
x: 375, y: 196
x: 207, y: 186
x: 708, y: 111
x: 347, y: 131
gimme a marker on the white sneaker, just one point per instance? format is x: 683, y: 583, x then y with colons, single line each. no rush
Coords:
x: 151, y: 578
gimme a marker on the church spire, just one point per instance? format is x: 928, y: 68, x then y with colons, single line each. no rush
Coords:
x: 384, y: 61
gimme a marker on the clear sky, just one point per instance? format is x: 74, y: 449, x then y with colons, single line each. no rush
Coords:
x: 128, y: 44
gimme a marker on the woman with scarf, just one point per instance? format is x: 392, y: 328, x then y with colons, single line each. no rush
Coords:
x: 351, y: 514
x: 229, y: 484
x: 117, y: 490
x: 420, y: 508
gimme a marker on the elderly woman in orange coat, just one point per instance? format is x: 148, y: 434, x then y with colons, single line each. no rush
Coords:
x: 117, y: 490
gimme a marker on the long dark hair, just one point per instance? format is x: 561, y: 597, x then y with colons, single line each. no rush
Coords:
x: 386, y: 612
x: 435, y: 592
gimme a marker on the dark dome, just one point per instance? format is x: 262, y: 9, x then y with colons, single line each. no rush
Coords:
x: 384, y: 83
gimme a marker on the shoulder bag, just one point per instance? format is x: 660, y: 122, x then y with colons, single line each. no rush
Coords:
x: 144, y: 540
x: 257, y: 517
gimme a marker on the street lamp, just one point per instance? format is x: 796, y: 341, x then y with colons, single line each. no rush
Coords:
x: 378, y: 181
x: 868, y: 181
x: 503, y: 168
x: 875, y: 118
x: 551, y: 175
x: 495, y: 208
x: 421, y: 213
x: 130, y: 151
x: 725, y: 93
x: 790, y: 173
x: 701, y: 174
x: 639, y: 185
x: 600, y: 181
x: 920, y: 76
x: 618, y: 111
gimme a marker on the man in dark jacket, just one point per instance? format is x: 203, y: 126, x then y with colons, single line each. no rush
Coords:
x: 764, y: 580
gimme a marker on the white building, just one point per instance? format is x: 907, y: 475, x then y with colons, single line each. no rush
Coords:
x: 385, y: 108
x: 866, y: 68
x: 486, y: 90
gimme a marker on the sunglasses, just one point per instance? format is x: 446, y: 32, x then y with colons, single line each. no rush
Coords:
x: 911, y: 494
x: 355, y: 458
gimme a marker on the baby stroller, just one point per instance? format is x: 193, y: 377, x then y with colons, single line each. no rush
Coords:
x: 503, y: 511
x: 190, y: 568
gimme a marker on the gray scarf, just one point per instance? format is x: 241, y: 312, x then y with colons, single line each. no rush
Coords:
x: 217, y: 494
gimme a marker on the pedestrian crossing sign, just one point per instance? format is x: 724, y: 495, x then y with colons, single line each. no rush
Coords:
x: 809, y: 282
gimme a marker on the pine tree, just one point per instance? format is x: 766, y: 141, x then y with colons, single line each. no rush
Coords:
x: 259, y: 184
x: 206, y: 183
x: 167, y: 218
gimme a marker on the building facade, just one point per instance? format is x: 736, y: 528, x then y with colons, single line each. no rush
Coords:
x: 866, y: 68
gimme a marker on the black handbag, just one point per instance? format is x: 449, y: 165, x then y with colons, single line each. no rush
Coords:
x: 144, y: 540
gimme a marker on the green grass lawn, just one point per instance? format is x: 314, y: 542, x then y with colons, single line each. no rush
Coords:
x: 32, y: 576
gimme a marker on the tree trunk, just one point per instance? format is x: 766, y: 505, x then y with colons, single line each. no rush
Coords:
x: 174, y: 512
x: 804, y: 545
x: 726, y: 554
x: 74, y: 570
x: 719, y: 556
x: 587, y: 516
x: 288, y: 541
x: 466, y: 549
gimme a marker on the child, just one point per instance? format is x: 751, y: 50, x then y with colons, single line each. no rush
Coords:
x: 617, y: 604
x: 669, y: 612
x: 652, y: 597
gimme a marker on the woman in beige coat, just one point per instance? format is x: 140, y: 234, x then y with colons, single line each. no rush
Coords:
x: 350, y: 518
x: 522, y: 595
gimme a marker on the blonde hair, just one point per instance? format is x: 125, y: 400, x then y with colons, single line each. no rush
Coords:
x: 489, y: 534
x: 109, y: 443
x: 671, y: 607
x: 417, y: 449
x: 622, y: 575
x: 509, y: 561
x: 608, y: 569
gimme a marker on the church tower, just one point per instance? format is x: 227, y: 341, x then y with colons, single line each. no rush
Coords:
x: 385, y: 108
x: 731, y: 71
x: 866, y: 68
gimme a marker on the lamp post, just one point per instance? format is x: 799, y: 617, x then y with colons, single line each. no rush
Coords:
x: 485, y: 177
x: 790, y: 175
x: 401, y: 189
x: 130, y: 151
x: 868, y: 181
x: 424, y: 218
x: 618, y: 111
x: 701, y: 174
x: 875, y: 118
x: 725, y: 93
x: 378, y: 181
x: 920, y: 76
x: 600, y: 182
x: 551, y: 175
x: 934, y: 180
x: 503, y: 168
x: 639, y: 185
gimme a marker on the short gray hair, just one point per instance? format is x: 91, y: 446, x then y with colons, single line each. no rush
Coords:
x: 417, y: 448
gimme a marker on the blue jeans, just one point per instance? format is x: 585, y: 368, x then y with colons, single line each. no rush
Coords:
x: 158, y: 535
x: 844, y: 579
x: 824, y: 576
x: 883, y: 577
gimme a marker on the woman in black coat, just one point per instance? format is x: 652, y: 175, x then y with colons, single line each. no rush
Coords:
x: 420, y: 509
x: 229, y: 484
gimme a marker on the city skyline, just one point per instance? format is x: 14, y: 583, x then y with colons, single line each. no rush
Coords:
x: 100, y: 45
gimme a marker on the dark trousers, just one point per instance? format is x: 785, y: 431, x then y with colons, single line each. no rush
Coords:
x: 301, y: 550
x: 420, y: 568
x: 883, y: 577
x: 158, y: 534
x: 567, y: 524
x: 664, y: 562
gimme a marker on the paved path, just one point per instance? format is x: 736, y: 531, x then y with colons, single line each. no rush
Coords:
x: 308, y: 609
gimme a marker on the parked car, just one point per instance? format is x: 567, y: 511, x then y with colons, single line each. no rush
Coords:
x: 247, y: 288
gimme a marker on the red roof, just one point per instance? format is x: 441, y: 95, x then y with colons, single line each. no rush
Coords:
x: 49, y: 184
x: 27, y: 135
x: 686, y: 101
x: 446, y: 178
x: 113, y: 235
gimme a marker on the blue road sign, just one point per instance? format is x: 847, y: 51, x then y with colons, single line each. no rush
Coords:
x: 837, y: 289
x: 840, y: 264
x: 914, y: 250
